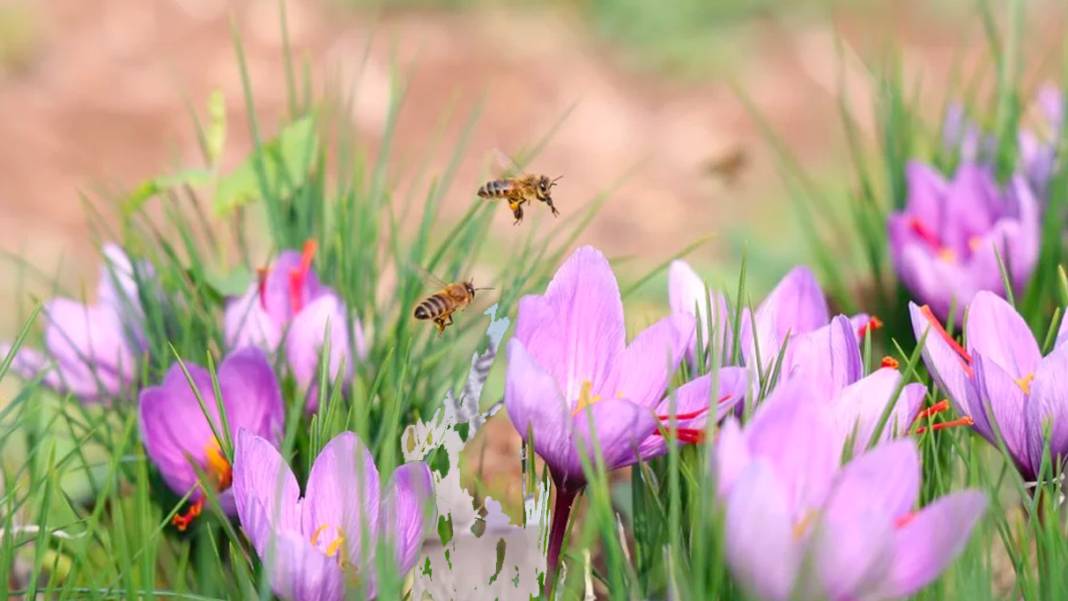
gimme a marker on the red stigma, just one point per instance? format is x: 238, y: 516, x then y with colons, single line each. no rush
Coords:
x: 925, y: 233
x: 960, y: 421
x: 261, y: 282
x: 298, y: 276
x: 903, y: 520
x: 181, y: 521
x: 935, y: 409
x: 874, y: 323
x: 890, y: 362
x: 691, y: 414
x: 936, y: 325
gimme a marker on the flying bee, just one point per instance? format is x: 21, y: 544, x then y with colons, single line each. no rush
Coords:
x: 727, y: 166
x: 440, y: 306
x: 520, y: 190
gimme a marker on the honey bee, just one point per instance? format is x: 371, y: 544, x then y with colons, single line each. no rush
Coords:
x: 728, y: 166
x: 440, y: 306
x: 520, y: 190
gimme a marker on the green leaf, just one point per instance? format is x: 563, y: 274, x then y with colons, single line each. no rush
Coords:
x: 286, y: 161
x: 215, y: 134
x: 150, y: 188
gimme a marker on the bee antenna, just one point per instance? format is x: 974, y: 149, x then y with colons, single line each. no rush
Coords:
x: 483, y: 288
x: 553, y: 182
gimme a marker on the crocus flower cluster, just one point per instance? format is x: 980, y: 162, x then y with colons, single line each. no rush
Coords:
x: 288, y: 304
x: 574, y: 384
x: 999, y: 381
x: 947, y: 241
x: 179, y: 438
x: 799, y: 526
x: 317, y: 545
x: 794, y: 309
x: 92, y: 351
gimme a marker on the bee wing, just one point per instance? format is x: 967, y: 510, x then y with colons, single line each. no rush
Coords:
x: 430, y: 279
x: 504, y: 166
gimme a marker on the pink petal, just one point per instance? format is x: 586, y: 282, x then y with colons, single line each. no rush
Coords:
x: 265, y: 491
x: 536, y: 408
x: 246, y: 323
x: 1048, y: 405
x: 760, y: 546
x: 410, y: 494
x: 997, y: 331
x: 301, y: 572
x: 642, y: 371
x: 1001, y: 398
x: 858, y: 408
x: 251, y: 394
x: 321, y: 322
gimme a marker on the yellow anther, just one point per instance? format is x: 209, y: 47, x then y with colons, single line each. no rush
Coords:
x: 585, y: 397
x: 947, y: 254
x: 217, y: 465
x: 975, y: 242
x: 335, y: 546
x: 1025, y: 383
x: 802, y: 525
x: 315, y: 535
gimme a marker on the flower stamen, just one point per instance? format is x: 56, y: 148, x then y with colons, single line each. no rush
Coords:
x: 936, y: 326
x: 261, y: 283
x: 586, y: 398
x: 692, y: 414
x: 217, y: 465
x: 935, y: 409
x: 903, y: 520
x: 890, y: 362
x: 1025, y: 383
x: 960, y: 421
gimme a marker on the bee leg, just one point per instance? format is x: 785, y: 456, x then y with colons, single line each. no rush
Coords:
x: 440, y: 323
x: 517, y: 211
x: 449, y: 323
x: 552, y: 207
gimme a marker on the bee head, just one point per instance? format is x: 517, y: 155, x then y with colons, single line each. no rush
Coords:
x: 544, y: 186
x: 469, y: 285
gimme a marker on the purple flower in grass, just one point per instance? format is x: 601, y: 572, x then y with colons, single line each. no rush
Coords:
x: 945, y: 244
x: 92, y: 351
x: 1039, y: 146
x: 316, y: 546
x: 1001, y: 382
x: 178, y: 437
x: 796, y: 306
x: 288, y: 304
x: 573, y: 382
x: 799, y: 526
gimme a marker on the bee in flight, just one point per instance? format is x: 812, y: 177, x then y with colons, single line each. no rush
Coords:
x: 440, y: 306
x: 520, y: 190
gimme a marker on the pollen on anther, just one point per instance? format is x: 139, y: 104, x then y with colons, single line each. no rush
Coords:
x: 890, y: 362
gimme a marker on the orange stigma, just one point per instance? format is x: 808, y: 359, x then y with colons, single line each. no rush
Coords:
x: 936, y: 327
x: 960, y: 421
x: 298, y: 276
x: 890, y: 362
x: 181, y: 521
x: 687, y: 435
x: 874, y: 323
x: 925, y: 233
x: 935, y: 409
x: 692, y: 414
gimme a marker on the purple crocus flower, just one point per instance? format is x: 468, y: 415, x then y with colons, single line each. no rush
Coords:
x: 91, y: 350
x: 571, y: 375
x: 796, y: 306
x: 315, y: 545
x: 288, y: 302
x: 178, y: 437
x: 799, y: 526
x: 945, y: 243
x: 1039, y: 145
x: 1000, y: 382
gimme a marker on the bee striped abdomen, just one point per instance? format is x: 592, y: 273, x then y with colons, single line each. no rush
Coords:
x: 434, y: 306
x: 495, y: 188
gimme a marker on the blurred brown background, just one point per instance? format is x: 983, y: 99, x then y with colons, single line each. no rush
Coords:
x: 94, y: 98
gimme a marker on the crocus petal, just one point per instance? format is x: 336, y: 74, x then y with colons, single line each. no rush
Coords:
x: 732, y: 456
x: 301, y: 572
x: 949, y: 370
x: 278, y: 290
x: 928, y: 543
x: 792, y: 430
x: 619, y: 425
x: 997, y: 331
x: 247, y: 323
x: 251, y: 394
x: 641, y: 372
x: 89, y: 346
x: 404, y: 511
x: 926, y: 188
x: 968, y: 206
x: 1001, y: 398
x: 886, y: 479
x: 576, y: 328
x: 859, y: 406
x: 536, y: 408
x: 343, y: 494
x: 173, y: 427
x: 796, y: 305
x: 828, y: 357
x: 1062, y: 332
x: 117, y: 287
x: 1049, y: 404
x: 687, y: 294
x: 28, y: 363
x: 266, y: 493
x: 697, y: 394
x: 321, y: 322
x: 760, y: 547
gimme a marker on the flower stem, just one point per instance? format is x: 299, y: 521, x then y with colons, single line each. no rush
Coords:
x: 565, y: 497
